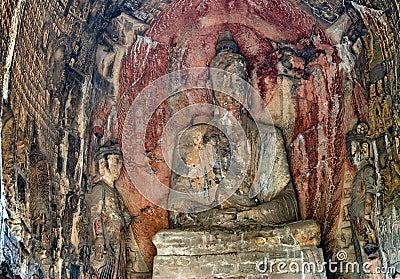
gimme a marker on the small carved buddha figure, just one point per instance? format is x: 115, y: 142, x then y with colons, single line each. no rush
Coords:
x: 363, y: 197
x: 274, y: 203
x: 108, y: 216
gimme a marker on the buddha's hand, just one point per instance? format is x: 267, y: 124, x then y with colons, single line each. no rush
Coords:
x: 251, y: 214
x: 220, y: 216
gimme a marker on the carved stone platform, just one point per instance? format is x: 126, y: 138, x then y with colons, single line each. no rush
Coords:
x: 280, y: 253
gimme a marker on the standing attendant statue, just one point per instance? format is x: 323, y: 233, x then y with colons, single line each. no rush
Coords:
x: 109, y: 218
x: 363, y: 197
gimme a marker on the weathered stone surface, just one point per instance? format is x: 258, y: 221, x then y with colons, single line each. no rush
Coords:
x: 217, y: 253
x: 237, y: 265
x: 60, y: 102
x: 192, y: 241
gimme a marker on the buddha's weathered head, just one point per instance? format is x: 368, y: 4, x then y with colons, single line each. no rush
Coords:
x: 233, y: 63
x: 228, y: 57
x: 109, y: 161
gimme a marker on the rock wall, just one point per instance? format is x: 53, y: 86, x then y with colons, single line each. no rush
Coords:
x: 383, y: 87
x: 43, y: 128
x: 45, y: 103
x: 76, y: 67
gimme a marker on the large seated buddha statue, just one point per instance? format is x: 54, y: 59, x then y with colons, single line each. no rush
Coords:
x: 233, y: 216
x: 208, y: 157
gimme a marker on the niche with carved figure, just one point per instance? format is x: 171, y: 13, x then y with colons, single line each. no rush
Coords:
x: 39, y: 184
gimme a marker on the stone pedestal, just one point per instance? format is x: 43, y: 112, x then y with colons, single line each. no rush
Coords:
x: 286, y: 252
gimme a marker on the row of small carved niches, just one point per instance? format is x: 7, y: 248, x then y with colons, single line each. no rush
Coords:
x: 46, y: 58
x: 384, y: 151
x: 43, y: 213
x: 387, y: 150
x: 383, y: 137
x: 26, y: 185
x: 385, y: 133
x: 382, y: 134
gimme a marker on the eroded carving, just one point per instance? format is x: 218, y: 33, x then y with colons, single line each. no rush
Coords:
x: 119, y: 36
x: 363, y: 195
x: 212, y: 224
x: 109, y: 218
x: 114, y: 252
x: 275, y: 204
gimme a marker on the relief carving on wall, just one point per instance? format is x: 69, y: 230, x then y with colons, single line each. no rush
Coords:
x: 363, y: 195
x: 115, y: 42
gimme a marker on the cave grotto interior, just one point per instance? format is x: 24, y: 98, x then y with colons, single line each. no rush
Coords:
x: 200, y: 139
